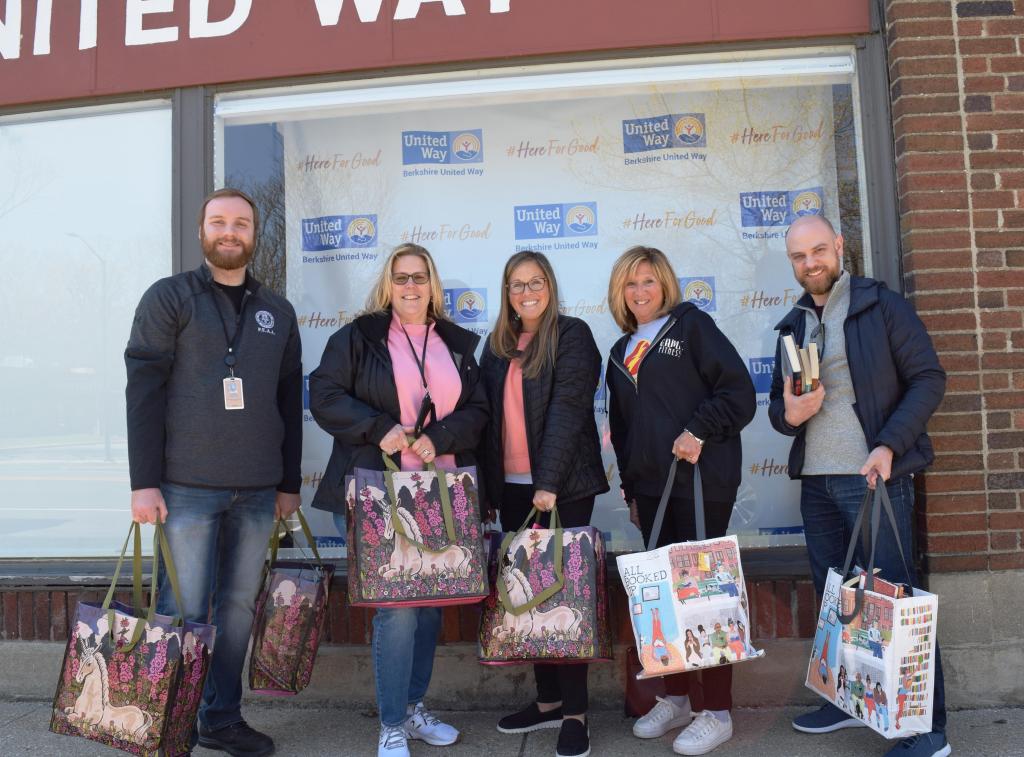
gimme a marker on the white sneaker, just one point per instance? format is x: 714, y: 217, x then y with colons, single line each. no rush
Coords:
x: 392, y: 742
x: 423, y: 725
x: 702, y: 735
x: 663, y: 717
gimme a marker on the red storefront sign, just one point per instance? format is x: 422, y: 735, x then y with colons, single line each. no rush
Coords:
x: 60, y: 49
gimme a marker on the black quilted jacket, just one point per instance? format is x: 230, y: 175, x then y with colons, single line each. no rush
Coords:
x: 565, y: 451
x: 352, y: 396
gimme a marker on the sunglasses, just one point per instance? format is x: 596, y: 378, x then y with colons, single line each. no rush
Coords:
x: 818, y: 337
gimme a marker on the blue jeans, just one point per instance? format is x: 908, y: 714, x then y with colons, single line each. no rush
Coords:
x: 341, y: 524
x: 404, y: 640
x: 218, y: 539
x: 829, y: 506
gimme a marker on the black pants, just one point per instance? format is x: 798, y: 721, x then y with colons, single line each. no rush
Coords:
x: 679, y: 525
x: 565, y: 683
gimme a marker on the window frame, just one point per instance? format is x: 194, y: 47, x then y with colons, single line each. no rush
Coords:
x: 193, y: 135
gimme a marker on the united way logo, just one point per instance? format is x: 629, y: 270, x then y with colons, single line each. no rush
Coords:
x: 468, y: 147
x: 362, y: 231
x: 554, y: 221
x: 761, y: 369
x: 671, y: 131
x: 338, y: 232
x: 806, y: 203
x: 700, y: 290
x: 466, y: 305
x: 442, y: 147
x: 780, y: 207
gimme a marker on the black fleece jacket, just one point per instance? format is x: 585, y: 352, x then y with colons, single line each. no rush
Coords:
x: 561, y: 434
x: 691, y: 378
x: 353, y: 397
x: 178, y: 428
x: 897, y: 379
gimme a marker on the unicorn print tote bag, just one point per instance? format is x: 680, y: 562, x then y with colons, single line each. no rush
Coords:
x: 133, y: 679
x: 415, y: 538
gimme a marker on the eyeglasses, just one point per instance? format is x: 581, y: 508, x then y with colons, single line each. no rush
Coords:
x: 401, y: 279
x: 536, y: 285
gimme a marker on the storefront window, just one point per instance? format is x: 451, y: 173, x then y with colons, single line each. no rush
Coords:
x: 85, y: 228
x: 708, y: 158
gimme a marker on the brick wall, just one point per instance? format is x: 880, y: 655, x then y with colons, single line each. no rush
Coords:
x: 779, y: 609
x: 957, y: 87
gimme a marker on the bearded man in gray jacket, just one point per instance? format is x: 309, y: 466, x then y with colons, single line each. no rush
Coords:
x: 864, y: 426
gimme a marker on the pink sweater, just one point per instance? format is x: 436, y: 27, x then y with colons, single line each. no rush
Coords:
x: 442, y: 379
x: 516, y: 451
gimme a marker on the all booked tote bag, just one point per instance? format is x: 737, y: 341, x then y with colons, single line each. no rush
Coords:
x: 688, y: 601
x: 874, y: 647
x: 290, y: 614
x: 415, y: 538
x: 549, y: 602
x: 133, y: 679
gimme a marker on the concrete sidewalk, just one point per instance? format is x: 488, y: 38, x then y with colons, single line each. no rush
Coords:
x: 308, y: 731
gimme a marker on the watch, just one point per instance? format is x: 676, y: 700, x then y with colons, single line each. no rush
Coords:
x: 697, y: 438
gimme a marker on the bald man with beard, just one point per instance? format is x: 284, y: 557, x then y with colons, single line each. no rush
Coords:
x: 865, y: 423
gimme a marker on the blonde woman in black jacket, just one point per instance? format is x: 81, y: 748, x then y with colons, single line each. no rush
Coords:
x: 541, y: 449
x: 677, y: 387
x: 399, y: 357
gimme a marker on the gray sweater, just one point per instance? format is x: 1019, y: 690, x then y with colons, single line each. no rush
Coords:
x: 178, y: 428
x: 835, y: 439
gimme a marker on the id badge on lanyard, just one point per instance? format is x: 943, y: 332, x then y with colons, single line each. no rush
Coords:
x: 234, y: 394
x: 234, y: 397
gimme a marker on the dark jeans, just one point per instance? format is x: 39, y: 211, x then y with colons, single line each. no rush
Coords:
x: 829, y: 506
x: 565, y: 683
x: 680, y: 524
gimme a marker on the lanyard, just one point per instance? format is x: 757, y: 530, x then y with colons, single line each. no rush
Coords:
x: 427, y: 404
x: 231, y: 355
x: 421, y: 362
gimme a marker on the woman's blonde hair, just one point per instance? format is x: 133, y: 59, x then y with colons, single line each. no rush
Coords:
x: 383, y: 291
x: 539, y: 355
x: 625, y: 267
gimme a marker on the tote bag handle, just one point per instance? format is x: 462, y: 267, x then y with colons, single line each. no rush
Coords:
x: 551, y: 590
x: 698, y: 505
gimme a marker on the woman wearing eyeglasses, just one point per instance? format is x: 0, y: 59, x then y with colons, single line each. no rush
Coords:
x: 541, y: 449
x: 400, y: 371
x: 677, y: 387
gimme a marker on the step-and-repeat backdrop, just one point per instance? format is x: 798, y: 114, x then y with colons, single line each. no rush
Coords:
x: 712, y: 178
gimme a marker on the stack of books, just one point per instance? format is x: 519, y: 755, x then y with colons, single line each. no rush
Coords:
x: 801, y: 365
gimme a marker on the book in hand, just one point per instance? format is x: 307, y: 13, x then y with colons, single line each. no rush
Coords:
x: 812, y: 355
x: 805, y: 371
x: 791, y: 366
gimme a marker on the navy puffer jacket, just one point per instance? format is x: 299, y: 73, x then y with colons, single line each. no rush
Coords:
x: 897, y: 379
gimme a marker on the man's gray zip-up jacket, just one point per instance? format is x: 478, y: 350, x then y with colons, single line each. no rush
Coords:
x: 178, y: 428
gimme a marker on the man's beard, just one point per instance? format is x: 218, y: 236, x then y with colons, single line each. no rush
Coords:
x: 821, y: 285
x: 227, y: 262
